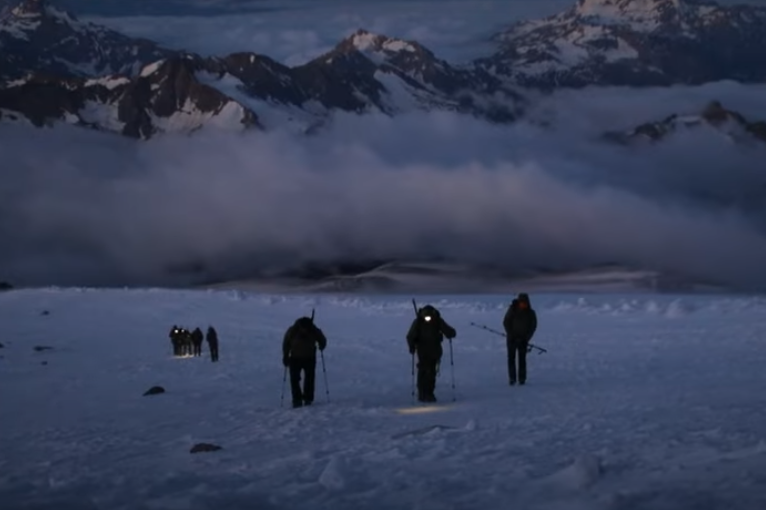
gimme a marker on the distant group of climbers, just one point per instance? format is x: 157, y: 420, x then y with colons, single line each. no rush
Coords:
x: 186, y: 343
x: 424, y: 338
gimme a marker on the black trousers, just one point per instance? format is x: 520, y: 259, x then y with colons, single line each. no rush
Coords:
x: 517, y: 349
x: 198, y: 349
x: 308, y: 367
x: 426, y: 376
x: 213, y: 350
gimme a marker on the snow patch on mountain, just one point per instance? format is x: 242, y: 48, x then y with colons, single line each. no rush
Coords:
x: 366, y: 41
x: 298, y: 119
x: 190, y: 118
x: 151, y: 68
x: 108, y: 82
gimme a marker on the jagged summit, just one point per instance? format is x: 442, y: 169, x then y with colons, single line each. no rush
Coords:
x: 593, y: 42
x: 647, y: 15
x: 37, y: 10
x: 29, y: 8
x: 730, y: 124
x: 634, y: 43
x: 364, y: 41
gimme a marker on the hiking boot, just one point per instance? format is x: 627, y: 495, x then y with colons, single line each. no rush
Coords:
x: 297, y: 403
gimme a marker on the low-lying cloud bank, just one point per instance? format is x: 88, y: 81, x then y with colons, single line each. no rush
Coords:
x: 78, y: 207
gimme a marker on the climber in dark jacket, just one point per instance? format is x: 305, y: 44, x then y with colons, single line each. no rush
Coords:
x: 299, y: 354
x: 425, y: 338
x: 520, y: 324
x: 212, y: 342
x: 197, y: 337
x: 175, y: 340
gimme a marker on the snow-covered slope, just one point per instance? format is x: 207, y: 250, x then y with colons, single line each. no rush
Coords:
x: 165, y: 97
x: 642, y: 402
x: 395, y: 75
x: 635, y: 43
x: 733, y: 125
x: 36, y: 37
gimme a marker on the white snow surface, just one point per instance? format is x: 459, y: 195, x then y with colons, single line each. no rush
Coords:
x: 152, y: 68
x: 190, y: 118
x: 110, y: 82
x: 642, y: 402
x: 270, y: 114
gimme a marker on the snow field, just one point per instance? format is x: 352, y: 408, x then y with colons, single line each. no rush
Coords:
x: 642, y: 402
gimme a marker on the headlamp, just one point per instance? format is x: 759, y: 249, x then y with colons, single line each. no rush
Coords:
x: 428, y: 318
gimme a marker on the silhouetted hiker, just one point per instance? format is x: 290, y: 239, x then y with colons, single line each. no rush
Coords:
x: 175, y: 340
x: 425, y: 337
x: 212, y: 343
x: 197, y: 337
x: 520, y: 323
x: 186, y: 342
x: 299, y: 353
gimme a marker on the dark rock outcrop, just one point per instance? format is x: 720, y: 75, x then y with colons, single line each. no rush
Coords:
x: 165, y: 97
x: 205, y: 447
x: 154, y: 390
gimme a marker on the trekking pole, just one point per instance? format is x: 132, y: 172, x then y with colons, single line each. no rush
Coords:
x: 452, y: 367
x: 324, y: 371
x: 284, y: 382
x: 413, y: 377
x: 540, y: 350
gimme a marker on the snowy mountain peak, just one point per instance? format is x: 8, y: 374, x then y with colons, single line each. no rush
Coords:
x: 37, y: 37
x: 641, y: 14
x: 635, y: 42
x: 38, y: 10
x: 29, y: 8
x: 365, y: 41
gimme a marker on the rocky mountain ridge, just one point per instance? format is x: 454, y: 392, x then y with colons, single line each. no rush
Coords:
x: 634, y: 43
x: 55, y: 68
x: 729, y: 123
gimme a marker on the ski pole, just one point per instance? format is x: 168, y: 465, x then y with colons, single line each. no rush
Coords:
x: 284, y: 382
x: 324, y: 371
x: 452, y: 367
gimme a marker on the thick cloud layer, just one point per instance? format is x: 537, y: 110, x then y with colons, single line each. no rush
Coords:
x: 98, y: 209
